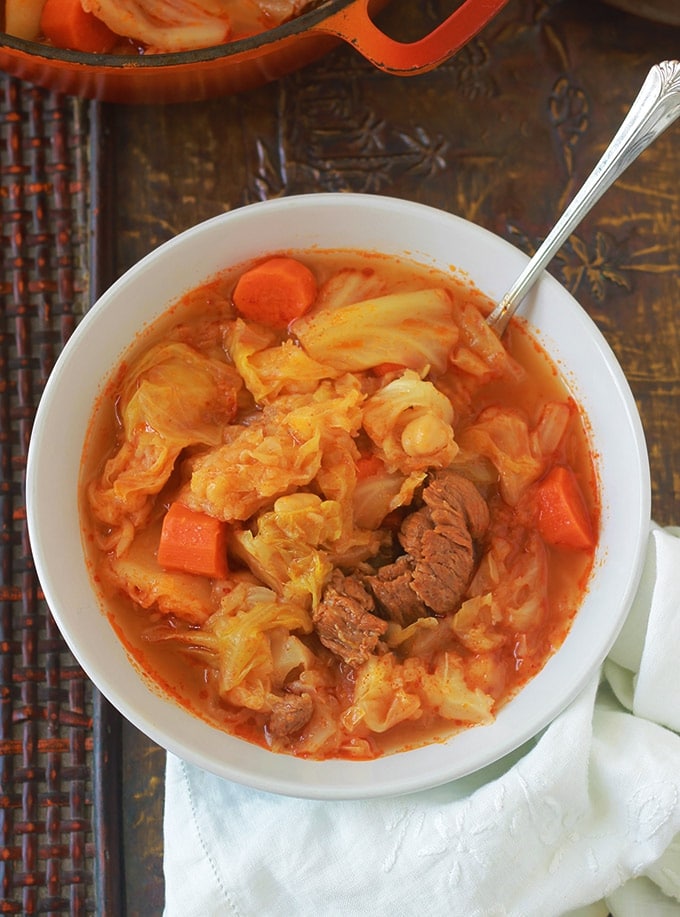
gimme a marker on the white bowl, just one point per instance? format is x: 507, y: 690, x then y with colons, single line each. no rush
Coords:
x: 334, y: 221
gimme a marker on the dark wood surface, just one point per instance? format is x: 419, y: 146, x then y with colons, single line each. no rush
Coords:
x: 503, y: 135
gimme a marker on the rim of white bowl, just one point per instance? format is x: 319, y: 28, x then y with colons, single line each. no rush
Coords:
x: 65, y: 580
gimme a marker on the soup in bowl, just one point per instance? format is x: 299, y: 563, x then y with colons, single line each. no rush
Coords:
x: 318, y: 530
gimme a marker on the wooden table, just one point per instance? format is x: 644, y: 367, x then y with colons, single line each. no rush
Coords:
x: 502, y: 134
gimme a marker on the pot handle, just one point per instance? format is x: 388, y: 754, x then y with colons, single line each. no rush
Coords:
x: 354, y: 25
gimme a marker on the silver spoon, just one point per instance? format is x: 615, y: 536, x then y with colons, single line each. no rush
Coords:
x: 655, y: 108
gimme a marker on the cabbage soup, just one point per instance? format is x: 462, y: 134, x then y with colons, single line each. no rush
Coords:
x: 329, y: 512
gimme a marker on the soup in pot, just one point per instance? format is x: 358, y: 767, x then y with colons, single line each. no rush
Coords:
x: 144, y: 26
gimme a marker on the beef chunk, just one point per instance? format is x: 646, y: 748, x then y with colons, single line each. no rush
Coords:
x: 290, y: 714
x: 441, y: 538
x: 440, y: 544
x: 344, y: 620
x: 392, y: 588
x: 446, y: 491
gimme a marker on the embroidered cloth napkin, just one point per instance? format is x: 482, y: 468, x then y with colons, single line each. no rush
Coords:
x: 584, y: 819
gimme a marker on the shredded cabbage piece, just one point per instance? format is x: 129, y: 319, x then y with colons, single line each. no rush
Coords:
x: 297, y: 544
x: 410, y: 422
x: 512, y: 580
x: 173, y: 397
x: 413, y: 329
x: 379, y: 494
x: 350, y: 285
x: 389, y: 692
x: 479, y: 351
x: 396, y: 635
x: 284, y: 552
x: 239, y: 636
x: 383, y: 696
x: 475, y: 623
x: 166, y: 25
x: 181, y: 25
x: 519, y: 452
x: 502, y: 435
x: 290, y: 657
x: 551, y: 427
x: 447, y: 691
x: 278, y: 451
x: 271, y: 371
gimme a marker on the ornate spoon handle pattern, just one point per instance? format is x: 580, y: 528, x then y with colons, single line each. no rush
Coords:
x: 656, y: 107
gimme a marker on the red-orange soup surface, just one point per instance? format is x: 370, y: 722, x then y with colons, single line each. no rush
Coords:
x: 351, y: 535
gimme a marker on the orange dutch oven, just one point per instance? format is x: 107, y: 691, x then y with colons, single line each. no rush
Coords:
x: 247, y: 63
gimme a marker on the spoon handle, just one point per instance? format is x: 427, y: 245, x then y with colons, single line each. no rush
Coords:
x: 655, y: 108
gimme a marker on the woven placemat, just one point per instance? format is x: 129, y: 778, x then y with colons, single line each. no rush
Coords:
x: 56, y: 734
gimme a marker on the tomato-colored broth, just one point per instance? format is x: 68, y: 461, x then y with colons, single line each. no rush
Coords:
x: 345, y: 455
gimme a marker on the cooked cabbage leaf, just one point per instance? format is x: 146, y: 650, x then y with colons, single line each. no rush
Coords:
x: 383, y: 695
x: 183, y: 25
x: 503, y: 436
x: 413, y: 329
x: 350, y: 285
x: 239, y: 636
x: 269, y: 371
x: 475, y: 623
x: 284, y: 552
x: 448, y: 693
x: 378, y: 494
x: 165, y: 25
x: 389, y: 692
x: 512, y: 580
x: 551, y: 427
x: 173, y: 397
x: 297, y: 544
x: 410, y: 423
x: 479, y: 351
x: 278, y: 451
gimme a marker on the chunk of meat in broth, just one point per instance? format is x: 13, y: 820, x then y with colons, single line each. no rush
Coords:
x: 441, y: 541
x: 290, y: 714
x: 345, y: 622
x: 393, y: 588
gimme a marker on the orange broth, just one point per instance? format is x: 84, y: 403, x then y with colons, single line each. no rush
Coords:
x: 168, y: 649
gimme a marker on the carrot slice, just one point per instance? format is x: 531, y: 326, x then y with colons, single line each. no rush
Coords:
x: 275, y: 292
x: 563, y: 518
x: 67, y: 25
x: 193, y: 542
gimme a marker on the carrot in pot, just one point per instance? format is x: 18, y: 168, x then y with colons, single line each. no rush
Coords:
x: 67, y: 25
x: 563, y: 517
x: 193, y: 542
x: 275, y: 292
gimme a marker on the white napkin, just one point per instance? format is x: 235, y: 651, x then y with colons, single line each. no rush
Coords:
x: 583, y: 820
